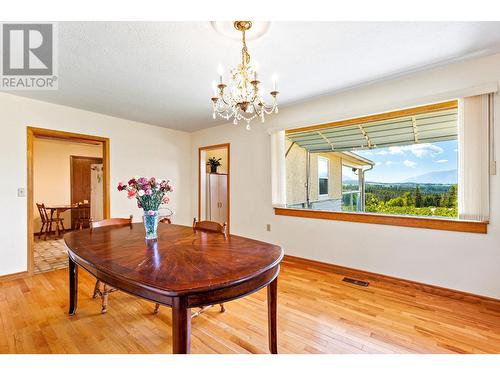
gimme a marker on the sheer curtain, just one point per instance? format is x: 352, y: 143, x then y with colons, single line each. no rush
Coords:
x: 474, y: 124
x: 278, y: 167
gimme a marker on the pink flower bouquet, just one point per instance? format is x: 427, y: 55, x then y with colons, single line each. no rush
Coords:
x: 150, y: 194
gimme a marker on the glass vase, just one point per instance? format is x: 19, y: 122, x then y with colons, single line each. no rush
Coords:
x: 151, y: 224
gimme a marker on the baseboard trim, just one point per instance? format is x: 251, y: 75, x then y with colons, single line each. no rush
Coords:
x: 14, y: 276
x: 377, y: 277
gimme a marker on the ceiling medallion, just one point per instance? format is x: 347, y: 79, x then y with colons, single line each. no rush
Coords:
x: 242, y: 100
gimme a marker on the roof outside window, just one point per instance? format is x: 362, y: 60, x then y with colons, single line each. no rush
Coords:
x: 428, y: 127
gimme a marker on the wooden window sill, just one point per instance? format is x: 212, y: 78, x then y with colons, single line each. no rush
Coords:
x: 396, y: 220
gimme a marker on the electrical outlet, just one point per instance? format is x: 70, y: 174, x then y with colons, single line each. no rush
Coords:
x: 268, y: 227
x: 21, y: 192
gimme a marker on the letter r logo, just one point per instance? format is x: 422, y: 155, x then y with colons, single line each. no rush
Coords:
x: 27, y: 49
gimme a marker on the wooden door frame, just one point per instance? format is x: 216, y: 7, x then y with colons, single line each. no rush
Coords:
x: 98, y: 160
x: 34, y: 132
x: 227, y: 146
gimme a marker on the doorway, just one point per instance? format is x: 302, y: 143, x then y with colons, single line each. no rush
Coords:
x: 214, y: 183
x: 86, y: 190
x: 68, y: 182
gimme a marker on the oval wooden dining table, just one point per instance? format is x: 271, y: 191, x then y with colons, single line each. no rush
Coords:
x: 184, y: 268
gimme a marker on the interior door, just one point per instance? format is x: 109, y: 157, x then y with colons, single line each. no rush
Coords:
x: 213, y: 197
x: 222, y: 199
x: 81, y: 185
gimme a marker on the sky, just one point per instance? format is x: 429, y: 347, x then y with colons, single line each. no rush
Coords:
x: 399, y: 163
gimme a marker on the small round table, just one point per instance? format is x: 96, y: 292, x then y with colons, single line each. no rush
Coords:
x: 183, y: 269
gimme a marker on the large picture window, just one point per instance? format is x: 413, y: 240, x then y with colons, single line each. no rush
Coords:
x: 424, y: 167
x: 403, y: 165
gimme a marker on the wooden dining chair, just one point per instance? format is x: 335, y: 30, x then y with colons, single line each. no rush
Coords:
x: 209, y: 226
x: 106, y: 290
x: 163, y: 220
x: 47, y: 221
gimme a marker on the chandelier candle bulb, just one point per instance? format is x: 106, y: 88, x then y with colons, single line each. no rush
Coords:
x: 214, y: 87
x: 220, y: 70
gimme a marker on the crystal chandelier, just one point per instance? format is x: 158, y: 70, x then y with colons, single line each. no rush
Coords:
x: 242, y: 100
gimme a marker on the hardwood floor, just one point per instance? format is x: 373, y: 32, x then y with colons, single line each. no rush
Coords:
x: 317, y: 313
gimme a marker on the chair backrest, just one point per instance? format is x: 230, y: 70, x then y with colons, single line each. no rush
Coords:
x: 209, y: 226
x: 165, y: 220
x: 166, y: 215
x: 120, y: 222
x: 43, y: 212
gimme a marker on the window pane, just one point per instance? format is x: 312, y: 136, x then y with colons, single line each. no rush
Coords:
x: 322, y: 167
x: 419, y: 179
x: 323, y: 186
x: 350, y: 180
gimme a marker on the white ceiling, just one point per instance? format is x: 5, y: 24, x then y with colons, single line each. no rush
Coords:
x: 161, y: 73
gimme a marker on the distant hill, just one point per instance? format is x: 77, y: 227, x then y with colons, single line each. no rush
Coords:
x: 350, y: 182
x: 437, y: 177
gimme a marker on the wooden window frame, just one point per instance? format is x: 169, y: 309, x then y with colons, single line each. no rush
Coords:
x: 437, y: 223
x: 455, y: 225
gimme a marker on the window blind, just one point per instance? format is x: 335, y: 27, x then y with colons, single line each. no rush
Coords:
x: 474, y: 123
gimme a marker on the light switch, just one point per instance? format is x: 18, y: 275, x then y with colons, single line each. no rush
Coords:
x: 21, y: 192
x: 268, y: 227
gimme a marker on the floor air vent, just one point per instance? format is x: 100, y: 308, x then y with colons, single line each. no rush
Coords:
x: 355, y: 282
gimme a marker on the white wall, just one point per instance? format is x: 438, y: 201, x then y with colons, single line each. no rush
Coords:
x: 463, y: 261
x: 135, y: 149
x: 52, y: 173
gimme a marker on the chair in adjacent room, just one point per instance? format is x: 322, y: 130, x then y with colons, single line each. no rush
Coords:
x: 47, y: 222
x: 82, y: 212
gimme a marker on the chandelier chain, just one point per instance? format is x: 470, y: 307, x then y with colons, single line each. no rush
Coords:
x: 245, y: 56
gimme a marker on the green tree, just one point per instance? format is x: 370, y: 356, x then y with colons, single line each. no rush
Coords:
x: 396, y: 202
x: 408, y: 199
x: 428, y: 201
x: 452, y: 197
x: 418, y: 197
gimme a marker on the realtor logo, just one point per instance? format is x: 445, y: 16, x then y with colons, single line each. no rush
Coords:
x: 28, y: 57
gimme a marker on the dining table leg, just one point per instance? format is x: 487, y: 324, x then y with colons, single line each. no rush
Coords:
x: 272, y: 305
x: 181, y: 326
x: 73, y: 286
